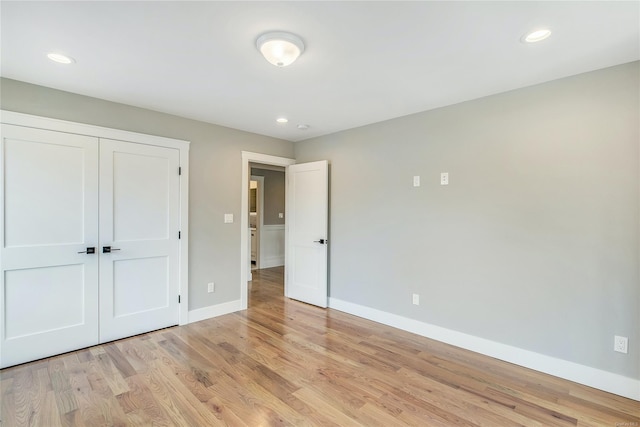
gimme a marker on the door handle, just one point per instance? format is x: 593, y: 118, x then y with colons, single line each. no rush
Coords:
x: 89, y: 251
x: 108, y: 249
x: 322, y: 241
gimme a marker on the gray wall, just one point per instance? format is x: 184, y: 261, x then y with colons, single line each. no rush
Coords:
x: 215, y: 174
x: 273, y: 195
x: 535, y: 241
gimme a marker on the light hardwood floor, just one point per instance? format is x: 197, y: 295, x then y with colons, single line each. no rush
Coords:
x: 282, y: 362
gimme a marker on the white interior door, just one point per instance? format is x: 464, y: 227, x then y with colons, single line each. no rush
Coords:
x: 49, y: 288
x: 139, y: 222
x: 307, y: 201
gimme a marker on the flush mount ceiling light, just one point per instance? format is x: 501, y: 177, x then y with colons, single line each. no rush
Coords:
x: 60, y: 58
x: 303, y: 126
x: 280, y: 48
x: 536, y: 35
x: 282, y: 120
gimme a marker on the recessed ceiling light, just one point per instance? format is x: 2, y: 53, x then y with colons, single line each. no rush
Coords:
x: 303, y: 127
x: 60, y: 58
x: 282, y: 120
x: 536, y: 35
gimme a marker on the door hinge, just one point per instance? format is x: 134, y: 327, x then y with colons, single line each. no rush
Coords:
x: 179, y: 235
x: 180, y: 170
x: 178, y: 299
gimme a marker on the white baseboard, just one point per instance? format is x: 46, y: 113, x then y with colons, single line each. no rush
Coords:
x: 214, y: 311
x: 592, y: 377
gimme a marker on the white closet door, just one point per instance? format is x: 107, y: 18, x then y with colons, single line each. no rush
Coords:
x: 139, y: 217
x: 48, y: 283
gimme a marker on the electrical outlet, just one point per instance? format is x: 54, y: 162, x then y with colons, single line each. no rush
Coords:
x: 444, y: 178
x: 621, y: 344
x: 416, y: 299
x: 211, y: 287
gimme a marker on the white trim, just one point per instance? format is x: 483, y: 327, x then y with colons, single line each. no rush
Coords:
x: 20, y: 119
x: 249, y: 157
x: 592, y: 377
x: 184, y: 236
x: 28, y: 120
x: 214, y: 311
x: 274, y: 227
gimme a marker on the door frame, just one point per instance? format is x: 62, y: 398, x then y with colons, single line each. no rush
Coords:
x: 266, y: 159
x: 259, y: 216
x: 39, y: 122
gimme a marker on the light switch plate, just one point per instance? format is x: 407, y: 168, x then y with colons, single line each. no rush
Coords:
x: 280, y: 215
x: 228, y: 218
x: 416, y: 181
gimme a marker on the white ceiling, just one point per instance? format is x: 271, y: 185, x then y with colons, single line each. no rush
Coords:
x: 364, y: 61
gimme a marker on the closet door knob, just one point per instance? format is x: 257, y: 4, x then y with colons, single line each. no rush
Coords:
x: 91, y: 250
x: 108, y: 249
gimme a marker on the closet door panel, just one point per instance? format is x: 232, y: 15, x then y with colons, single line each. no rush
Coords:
x: 45, y: 184
x: 141, y: 192
x: 59, y: 304
x: 49, y: 289
x: 139, y: 217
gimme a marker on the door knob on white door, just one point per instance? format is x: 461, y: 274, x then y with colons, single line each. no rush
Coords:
x: 108, y: 249
x: 322, y: 241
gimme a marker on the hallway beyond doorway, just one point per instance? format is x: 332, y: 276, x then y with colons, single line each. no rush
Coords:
x: 267, y: 286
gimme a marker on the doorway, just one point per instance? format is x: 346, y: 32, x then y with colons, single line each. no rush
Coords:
x: 266, y: 218
x: 248, y: 159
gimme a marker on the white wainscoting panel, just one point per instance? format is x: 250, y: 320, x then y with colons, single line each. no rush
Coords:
x: 272, y: 246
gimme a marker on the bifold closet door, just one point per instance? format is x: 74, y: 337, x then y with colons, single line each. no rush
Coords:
x: 139, y: 224
x: 49, y: 278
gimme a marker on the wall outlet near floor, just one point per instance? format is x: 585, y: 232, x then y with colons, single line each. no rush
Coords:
x: 211, y: 287
x: 621, y: 344
x: 416, y: 299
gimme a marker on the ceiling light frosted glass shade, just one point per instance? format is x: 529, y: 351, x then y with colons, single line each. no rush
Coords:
x: 279, y: 48
x: 537, y: 35
x: 58, y: 57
